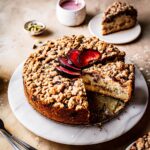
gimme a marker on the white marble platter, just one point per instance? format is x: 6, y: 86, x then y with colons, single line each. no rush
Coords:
x: 120, y: 37
x: 76, y: 135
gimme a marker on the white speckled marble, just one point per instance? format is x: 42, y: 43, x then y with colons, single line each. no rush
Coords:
x: 120, y: 37
x: 76, y: 135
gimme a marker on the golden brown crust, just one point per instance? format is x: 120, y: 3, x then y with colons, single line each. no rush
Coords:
x: 62, y: 115
x: 118, y: 9
x: 41, y: 77
x: 119, y: 16
x: 53, y: 95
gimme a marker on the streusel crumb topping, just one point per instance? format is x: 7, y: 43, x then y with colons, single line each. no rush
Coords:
x: 47, y: 85
x: 142, y: 143
x: 118, y: 8
x: 118, y: 71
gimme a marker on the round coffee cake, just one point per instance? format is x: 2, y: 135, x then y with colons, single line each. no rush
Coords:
x: 54, y: 95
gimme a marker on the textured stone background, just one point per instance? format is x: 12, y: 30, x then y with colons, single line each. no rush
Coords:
x: 16, y: 45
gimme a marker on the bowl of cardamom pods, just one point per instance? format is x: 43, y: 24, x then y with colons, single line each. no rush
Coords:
x: 34, y: 27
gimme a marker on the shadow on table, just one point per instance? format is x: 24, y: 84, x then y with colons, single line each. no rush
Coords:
x: 89, y: 16
x: 3, y: 85
x: 46, y: 33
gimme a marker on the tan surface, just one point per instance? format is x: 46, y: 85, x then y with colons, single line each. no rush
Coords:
x: 16, y: 44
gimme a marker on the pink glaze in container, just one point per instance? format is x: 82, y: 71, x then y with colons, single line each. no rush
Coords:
x: 70, y: 12
x: 71, y: 5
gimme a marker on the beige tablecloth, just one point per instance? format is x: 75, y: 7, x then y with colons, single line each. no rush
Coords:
x: 16, y: 45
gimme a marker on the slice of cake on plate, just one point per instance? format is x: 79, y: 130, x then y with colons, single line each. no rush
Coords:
x: 119, y: 16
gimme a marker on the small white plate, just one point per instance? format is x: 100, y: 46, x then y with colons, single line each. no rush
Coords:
x: 76, y: 135
x: 120, y: 37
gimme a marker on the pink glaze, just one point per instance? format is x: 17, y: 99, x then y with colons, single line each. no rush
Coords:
x: 70, y: 5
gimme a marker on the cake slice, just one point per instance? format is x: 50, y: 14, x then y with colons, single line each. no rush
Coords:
x: 117, y: 17
x: 115, y: 79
